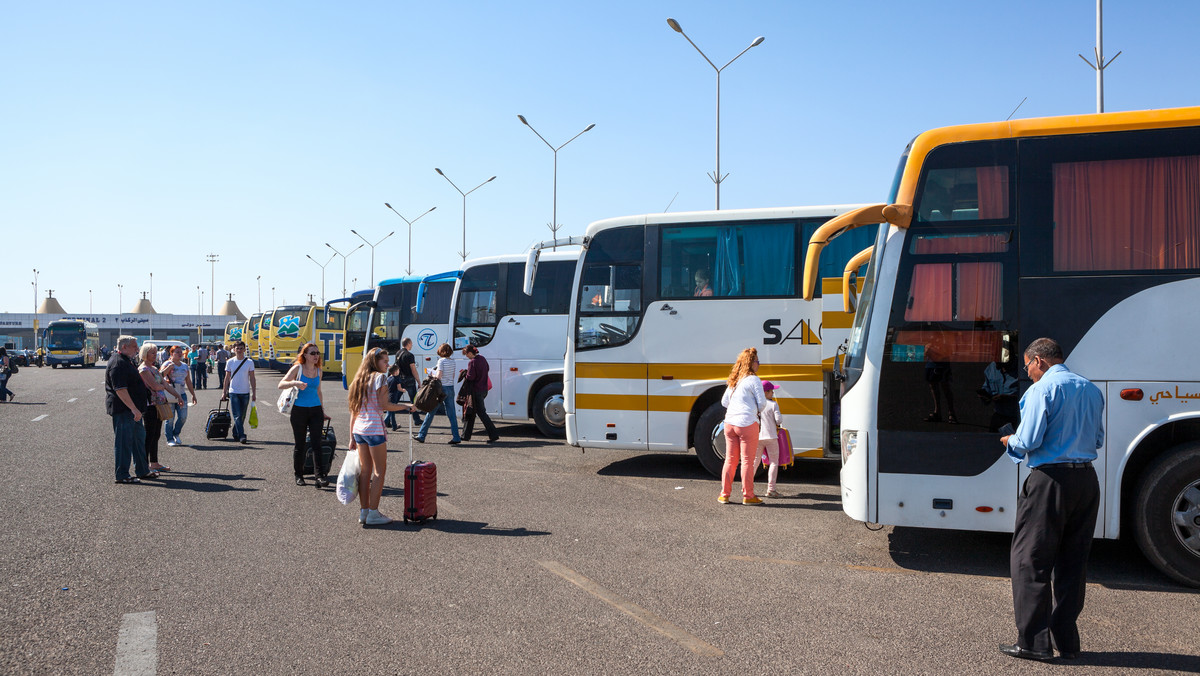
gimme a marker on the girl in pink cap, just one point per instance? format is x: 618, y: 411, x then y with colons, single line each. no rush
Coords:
x: 768, y: 435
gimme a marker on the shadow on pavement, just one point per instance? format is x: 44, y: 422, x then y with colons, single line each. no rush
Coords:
x: 1115, y: 564
x: 202, y: 483
x: 464, y: 528
x: 658, y: 466
x: 1137, y: 660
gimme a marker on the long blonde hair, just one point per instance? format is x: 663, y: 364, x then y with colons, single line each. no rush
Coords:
x: 360, y: 388
x: 741, y: 367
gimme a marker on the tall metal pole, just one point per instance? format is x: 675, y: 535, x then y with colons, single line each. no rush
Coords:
x: 322, y: 273
x: 259, y: 280
x: 464, y: 251
x: 554, y: 226
x: 373, y: 252
x: 35, y: 309
x: 344, y: 257
x: 408, y: 271
x: 717, y: 178
x: 1099, y: 66
x: 212, y: 296
x: 152, y: 288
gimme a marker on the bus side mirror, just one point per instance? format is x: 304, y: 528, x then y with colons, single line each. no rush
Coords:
x: 531, y: 264
x: 1007, y: 338
x: 839, y: 360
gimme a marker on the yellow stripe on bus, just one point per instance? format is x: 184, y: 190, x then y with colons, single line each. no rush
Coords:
x: 679, y: 404
x: 715, y: 372
x: 837, y: 320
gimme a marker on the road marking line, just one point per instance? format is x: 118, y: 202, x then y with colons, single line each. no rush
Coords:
x: 72, y: 399
x: 40, y: 417
x: 137, y: 645
x: 659, y: 624
x: 92, y: 389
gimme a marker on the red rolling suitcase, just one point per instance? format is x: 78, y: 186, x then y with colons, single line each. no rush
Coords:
x: 420, y: 487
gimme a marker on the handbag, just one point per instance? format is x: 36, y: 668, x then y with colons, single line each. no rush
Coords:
x: 165, y: 411
x: 286, y: 399
x: 430, y: 396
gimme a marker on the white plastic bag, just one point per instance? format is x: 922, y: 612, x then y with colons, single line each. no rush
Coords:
x: 286, y: 399
x: 347, y: 481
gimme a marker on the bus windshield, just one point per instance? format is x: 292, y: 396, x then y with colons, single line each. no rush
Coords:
x: 65, y: 338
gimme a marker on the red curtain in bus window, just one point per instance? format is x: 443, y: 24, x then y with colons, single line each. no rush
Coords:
x: 1140, y: 214
x: 993, y: 191
x: 930, y: 297
x: 979, y: 292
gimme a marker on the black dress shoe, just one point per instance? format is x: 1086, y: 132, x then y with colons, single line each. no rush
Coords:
x: 1014, y: 650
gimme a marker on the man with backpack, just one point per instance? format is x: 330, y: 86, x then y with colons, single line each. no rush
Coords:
x: 409, y: 376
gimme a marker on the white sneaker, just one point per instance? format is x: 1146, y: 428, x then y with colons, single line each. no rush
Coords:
x: 376, y: 518
x: 772, y: 493
x: 362, y: 515
x: 172, y: 443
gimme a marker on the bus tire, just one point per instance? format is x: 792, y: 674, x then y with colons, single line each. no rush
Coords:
x: 550, y: 411
x: 709, y: 441
x: 1167, y: 513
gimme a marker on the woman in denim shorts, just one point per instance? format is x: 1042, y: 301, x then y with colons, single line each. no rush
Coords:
x: 368, y: 400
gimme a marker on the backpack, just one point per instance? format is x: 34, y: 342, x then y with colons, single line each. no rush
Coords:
x: 430, y: 396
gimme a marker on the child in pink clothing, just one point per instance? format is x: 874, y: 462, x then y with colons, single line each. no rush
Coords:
x: 770, y: 420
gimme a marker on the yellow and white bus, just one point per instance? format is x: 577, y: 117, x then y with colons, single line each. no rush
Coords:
x: 250, y: 334
x: 71, y: 342
x: 1084, y: 229
x: 663, y: 303
x: 233, y: 332
x: 262, y: 354
x: 354, y: 331
x: 300, y: 324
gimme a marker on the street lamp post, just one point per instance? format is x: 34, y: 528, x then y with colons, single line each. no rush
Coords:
x: 272, y: 297
x: 463, y: 253
x: 212, y: 296
x: 344, y: 257
x: 717, y: 178
x: 408, y: 271
x: 259, y: 280
x: 89, y: 301
x: 199, y: 301
x: 322, y: 273
x: 554, y: 226
x: 35, y: 309
x: 372, y: 252
x: 152, y: 288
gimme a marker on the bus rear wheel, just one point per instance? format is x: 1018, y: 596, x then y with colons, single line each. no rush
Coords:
x: 1167, y: 515
x: 550, y: 411
x: 709, y: 437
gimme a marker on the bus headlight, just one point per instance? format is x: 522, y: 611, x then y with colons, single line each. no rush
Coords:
x: 850, y: 439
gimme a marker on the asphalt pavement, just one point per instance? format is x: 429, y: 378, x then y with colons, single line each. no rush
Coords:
x: 543, y: 560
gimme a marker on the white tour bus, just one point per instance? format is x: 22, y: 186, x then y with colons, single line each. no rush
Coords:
x: 663, y: 303
x: 1085, y: 229
x: 396, y: 314
x: 523, y: 336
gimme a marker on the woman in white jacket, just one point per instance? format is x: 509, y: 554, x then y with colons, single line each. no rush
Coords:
x: 743, y: 402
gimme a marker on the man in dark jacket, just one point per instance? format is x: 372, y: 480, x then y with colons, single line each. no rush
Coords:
x: 124, y: 399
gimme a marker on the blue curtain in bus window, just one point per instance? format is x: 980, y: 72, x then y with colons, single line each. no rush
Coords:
x: 727, y: 279
x: 770, y: 259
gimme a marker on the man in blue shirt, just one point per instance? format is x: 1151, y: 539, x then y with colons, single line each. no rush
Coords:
x: 1061, y: 427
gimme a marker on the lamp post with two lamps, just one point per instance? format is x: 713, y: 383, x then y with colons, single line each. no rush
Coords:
x: 554, y: 226
x: 322, y: 273
x: 464, y: 252
x: 344, y: 257
x: 373, y: 254
x: 717, y: 178
x: 408, y: 271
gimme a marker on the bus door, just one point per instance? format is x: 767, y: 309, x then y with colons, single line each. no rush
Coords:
x: 951, y: 368
x: 610, y: 379
x: 476, y: 314
x: 329, y: 335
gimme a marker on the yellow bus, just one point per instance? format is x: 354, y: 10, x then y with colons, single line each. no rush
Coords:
x: 301, y: 324
x: 250, y: 334
x: 262, y: 353
x: 233, y: 332
x: 354, y: 332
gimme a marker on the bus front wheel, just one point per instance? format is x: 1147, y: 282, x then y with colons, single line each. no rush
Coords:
x: 550, y: 411
x: 1167, y: 515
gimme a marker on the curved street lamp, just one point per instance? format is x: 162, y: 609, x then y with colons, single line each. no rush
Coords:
x: 463, y: 253
x: 408, y: 271
x: 344, y: 257
x: 322, y: 273
x: 372, y: 256
x: 554, y: 226
x: 717, y: 178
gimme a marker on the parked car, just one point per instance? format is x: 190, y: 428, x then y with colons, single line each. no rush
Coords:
x: 162, y: 346
x: 18, y: 357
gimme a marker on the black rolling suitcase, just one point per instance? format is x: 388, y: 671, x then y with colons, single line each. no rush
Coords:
x: 328, y: 448
x: 219, y: 422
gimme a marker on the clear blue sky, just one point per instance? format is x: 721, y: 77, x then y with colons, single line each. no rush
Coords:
x: 137, y: 137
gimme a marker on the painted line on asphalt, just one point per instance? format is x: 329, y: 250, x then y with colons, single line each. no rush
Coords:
x: 137, y: 645
x: 659, y: 624
x: 72, y: 399
x: 41, y: 417
x: 92, y: 389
